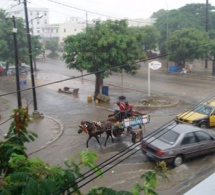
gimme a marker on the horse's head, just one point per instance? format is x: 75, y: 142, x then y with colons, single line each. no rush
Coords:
x: 84, y: 126
x: 80, y: 129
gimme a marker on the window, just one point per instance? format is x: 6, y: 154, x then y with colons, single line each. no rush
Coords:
x: 167, y: 136
x: 74, y: 29
x: 203, y: 109
x: 189, y: 138
x: 38, y: 31
x: 45, y: 13
x: 64, y: 30
x: 202, y: 136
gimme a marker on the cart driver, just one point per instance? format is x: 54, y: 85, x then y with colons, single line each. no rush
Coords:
x: 128, y: 110
x: 120, y: 113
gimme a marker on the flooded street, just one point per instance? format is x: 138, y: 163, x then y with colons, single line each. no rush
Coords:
x: 71, y: 109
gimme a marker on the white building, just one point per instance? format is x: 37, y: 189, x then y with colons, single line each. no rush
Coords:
x: 140, y: 22
x: 60, y: 31
x: 37, y: 17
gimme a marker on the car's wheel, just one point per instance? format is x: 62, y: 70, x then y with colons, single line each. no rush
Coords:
x: 178, y: 160
x: 203, y: 125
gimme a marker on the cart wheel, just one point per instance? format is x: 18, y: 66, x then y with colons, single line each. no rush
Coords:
x: 117, y: 131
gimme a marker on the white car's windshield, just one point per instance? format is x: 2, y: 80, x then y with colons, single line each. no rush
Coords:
x: 203, y: 109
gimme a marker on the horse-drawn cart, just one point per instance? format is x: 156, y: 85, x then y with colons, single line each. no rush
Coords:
x: 129, y: 123
x: 96, y: 128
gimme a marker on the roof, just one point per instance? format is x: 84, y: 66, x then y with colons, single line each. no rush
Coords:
x: 184, y: 128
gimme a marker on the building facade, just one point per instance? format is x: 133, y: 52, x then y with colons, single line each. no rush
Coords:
x: 37, y: 17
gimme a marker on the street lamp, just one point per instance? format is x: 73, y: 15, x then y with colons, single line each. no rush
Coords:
x: 206, y: 30
x: 36, y: 113
x: 32, y: 30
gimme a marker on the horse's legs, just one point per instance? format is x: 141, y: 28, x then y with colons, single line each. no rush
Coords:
x: 98, y: 140
x: 88, y: 140
x: 107, y: 136
x: 110, y: 133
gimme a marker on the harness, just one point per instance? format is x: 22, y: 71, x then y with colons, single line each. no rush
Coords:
x: 85, y: 127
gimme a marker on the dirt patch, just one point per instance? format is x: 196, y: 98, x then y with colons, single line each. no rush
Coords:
x: 4, y: 104
x: 156, y: 101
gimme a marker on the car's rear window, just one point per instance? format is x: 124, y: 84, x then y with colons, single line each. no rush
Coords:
x: 168, y: 136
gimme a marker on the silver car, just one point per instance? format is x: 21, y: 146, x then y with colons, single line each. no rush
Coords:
x: 177, y: 143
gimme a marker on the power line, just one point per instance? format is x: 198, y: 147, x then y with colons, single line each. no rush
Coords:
x: 104, y: 15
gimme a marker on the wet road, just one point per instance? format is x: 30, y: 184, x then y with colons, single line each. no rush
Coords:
x: 71, y: 109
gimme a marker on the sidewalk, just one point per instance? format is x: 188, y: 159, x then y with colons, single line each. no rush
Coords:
x: 47, y: 128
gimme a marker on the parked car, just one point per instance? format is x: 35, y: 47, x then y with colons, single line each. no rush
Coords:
x: 177, y: 143
x: 1, y: 70
x: 11, y: 68
x: 202, y: 116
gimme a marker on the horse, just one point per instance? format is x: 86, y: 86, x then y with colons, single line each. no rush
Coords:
x: 94, y: 129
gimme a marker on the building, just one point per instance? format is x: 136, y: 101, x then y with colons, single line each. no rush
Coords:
x: 37, y: 17
x: 60, y: 31
x: 140, y: 22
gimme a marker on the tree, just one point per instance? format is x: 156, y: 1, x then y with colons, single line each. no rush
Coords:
x: 188, y: 16
x: 187, y: 44
x: 52, y: 45
x: 36, y: 46
x: 7, y: 42
x: 109, y: 45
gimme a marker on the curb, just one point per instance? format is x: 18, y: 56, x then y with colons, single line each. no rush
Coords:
x: 157, y: 106
x: 53, y: 140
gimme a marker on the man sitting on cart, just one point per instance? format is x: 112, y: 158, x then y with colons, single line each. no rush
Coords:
x: 128, y: 110
x: 120, y: 113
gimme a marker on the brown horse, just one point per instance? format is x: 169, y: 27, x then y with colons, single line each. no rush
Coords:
x: 94, y: 129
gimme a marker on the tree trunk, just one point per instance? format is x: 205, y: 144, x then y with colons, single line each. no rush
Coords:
x: 213, y: 66
x: 101, y: 81
x: 97, y: 84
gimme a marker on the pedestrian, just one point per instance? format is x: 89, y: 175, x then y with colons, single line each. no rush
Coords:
x: 128, y: 109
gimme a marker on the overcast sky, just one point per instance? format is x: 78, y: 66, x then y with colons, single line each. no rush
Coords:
x: 62, y: 10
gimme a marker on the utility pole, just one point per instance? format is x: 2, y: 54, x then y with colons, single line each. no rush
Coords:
x: 32, y: 25
x: 86, y: 19
x: 19, y: 101
x: 167, y: 35
x: 206, y: 30
x: 30, y: 58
